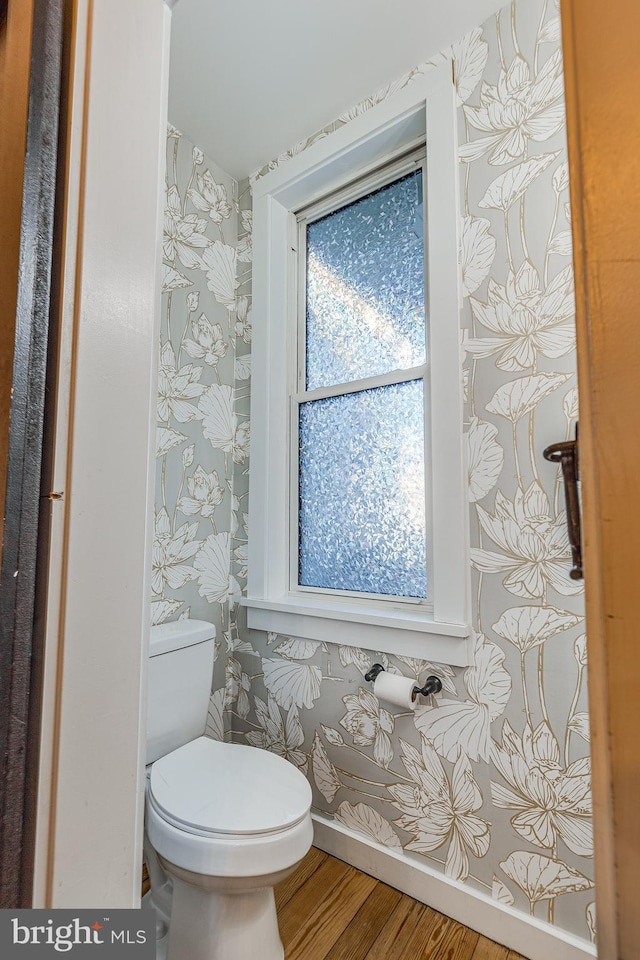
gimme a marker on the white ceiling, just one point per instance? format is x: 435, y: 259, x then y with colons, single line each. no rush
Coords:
x: 250, y: 79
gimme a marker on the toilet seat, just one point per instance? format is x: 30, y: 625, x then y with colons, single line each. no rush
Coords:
x: 227, y: 809
x: 212, y: 789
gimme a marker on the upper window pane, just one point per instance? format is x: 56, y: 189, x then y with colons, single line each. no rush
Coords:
x: 365, y: 287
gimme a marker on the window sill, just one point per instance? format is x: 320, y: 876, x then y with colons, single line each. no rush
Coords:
x: 391, y: 630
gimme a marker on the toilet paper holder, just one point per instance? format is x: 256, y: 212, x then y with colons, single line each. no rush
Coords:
x: 432, y: 684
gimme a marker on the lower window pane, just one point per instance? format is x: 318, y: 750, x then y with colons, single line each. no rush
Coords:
x: 362, y: 502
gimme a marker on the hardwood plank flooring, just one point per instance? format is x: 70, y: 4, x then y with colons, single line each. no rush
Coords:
x: 364, y: 928
x: 285, y: 890
x: 332, y: 914
x: 392, y: 941
x: 488, y: 950
x: 328, y: 910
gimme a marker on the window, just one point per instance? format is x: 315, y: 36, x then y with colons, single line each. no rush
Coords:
x: 357, y: 500
x: 359, y: 447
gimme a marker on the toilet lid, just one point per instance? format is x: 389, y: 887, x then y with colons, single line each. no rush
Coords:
x: 208, y: 787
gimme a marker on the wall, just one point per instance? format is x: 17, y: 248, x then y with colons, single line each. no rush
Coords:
x: 492, y: 788
x: 199, y: 523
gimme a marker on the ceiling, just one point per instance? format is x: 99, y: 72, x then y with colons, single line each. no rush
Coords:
x: 249, y: 80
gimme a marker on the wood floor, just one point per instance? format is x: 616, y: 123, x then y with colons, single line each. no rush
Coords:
x: 328, y: 910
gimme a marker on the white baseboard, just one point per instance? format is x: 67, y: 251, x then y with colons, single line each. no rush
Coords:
x: 518, y: 931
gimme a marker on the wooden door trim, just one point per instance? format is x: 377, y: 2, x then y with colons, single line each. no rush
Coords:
x: 602, y: 72
x: 592, y: 549
x: 23, y: 577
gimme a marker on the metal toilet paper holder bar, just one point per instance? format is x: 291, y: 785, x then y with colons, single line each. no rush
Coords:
x: 432, y: 684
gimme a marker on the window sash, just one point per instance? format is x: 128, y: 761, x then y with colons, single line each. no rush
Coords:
x: 394, y: 169
x: 388, y: 173
x: 296, y: 588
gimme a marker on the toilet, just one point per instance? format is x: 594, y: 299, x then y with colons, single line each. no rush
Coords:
x: 223, y: 822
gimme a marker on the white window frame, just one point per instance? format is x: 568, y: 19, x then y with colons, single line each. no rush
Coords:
x: 424, y: 111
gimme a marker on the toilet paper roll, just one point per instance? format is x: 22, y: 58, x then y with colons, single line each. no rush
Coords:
x: 395, y: 689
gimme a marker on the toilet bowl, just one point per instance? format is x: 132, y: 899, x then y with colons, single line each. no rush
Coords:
x: 224, y: 823
x: 227, y: 822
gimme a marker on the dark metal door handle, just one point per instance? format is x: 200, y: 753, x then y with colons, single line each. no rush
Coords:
x: 566, y: 454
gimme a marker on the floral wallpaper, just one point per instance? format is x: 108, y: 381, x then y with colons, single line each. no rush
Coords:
x: 203, y: 423
x: 491, y: 786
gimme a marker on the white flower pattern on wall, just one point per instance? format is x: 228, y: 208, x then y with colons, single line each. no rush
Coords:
x: 177, y: 387
x: 535, y: 545
x: 466, y: 724
x: 208, y: 343
x: 364, y: 819
x: 543, y: 878
x: 551, y: 803
x: 486, y: 458
x: 282, y: 737
x: 526, y: 320
x: 369, y: 724
x: 515, y: 110
x: 491, y: 786
x: 477, y: 251
x: 183, y: 235
x: 199, y: 420
x: 436, y: 811
x: 170, y: 550
x: 205, y: 494
x: 219, y: 261
x: 210, y: 197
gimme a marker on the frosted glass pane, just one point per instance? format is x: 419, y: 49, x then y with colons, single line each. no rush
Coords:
x: 361, y: 511
x: 365, y: 286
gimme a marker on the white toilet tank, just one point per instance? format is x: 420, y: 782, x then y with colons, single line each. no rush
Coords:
x: 180, y: 673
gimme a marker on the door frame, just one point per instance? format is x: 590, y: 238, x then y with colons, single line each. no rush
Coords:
x: 90, y: 801
x: 602, y: 75
x: 32, y: 39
